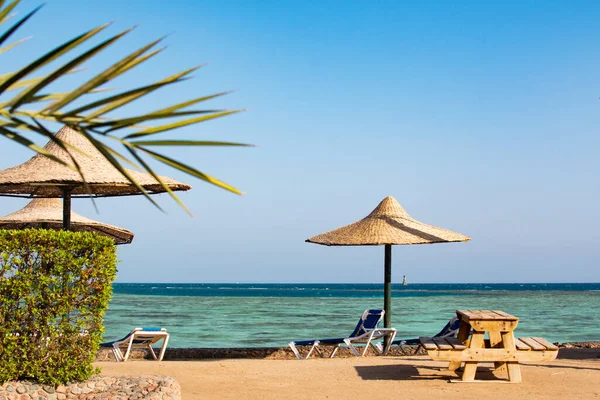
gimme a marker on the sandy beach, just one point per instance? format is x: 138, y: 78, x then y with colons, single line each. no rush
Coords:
x: 574, y: 375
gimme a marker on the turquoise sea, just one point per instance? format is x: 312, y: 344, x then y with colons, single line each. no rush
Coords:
x: 265, y: 315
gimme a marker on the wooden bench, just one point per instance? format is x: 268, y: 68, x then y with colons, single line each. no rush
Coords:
x: 539, y: 349
x: 528, y: 349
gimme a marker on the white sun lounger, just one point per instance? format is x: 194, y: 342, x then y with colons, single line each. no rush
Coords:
x: 365, y: 333
x: 139, y: 338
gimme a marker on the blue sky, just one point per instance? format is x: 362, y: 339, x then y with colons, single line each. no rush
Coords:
x: 479, y: 117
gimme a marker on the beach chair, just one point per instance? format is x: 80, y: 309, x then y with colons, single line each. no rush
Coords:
x: 139, y: 338
x: 449, y: 330
x: 365, y: 333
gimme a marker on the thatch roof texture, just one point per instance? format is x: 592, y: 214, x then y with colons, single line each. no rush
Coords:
x: 388, y: 223
x: 43, y: 177
x: 48, y: 214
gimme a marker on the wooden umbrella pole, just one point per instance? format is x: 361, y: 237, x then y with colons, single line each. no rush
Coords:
x: 387, y: 291
x: 67, y: 209
x: 387, y: 287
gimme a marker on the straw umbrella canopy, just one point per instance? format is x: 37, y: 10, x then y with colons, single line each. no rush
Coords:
x: 388, y: 224
x: 43, y: 177
x: 47, y: 214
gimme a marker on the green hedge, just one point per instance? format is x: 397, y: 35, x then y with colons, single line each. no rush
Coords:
x: 55, y: 287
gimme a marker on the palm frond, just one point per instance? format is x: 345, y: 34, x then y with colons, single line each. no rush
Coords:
x: 105, y: 76
x: 5, y: 12
x: 15, y: 44
x: 30, y: 92
x: 28, y: 82
x: 92, y: 119
x: 138, y: 143
x: 50, y: 56
x: 189, y: 170
x: 179, y: 124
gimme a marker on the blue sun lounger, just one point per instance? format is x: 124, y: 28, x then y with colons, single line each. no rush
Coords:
x: 449, y: 330
x: 139, y: 338
x: 365, y: 332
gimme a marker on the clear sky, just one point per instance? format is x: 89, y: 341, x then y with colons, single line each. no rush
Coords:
x: 478, y: 117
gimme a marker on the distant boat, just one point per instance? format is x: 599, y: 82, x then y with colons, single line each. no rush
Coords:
x: 404, y: 283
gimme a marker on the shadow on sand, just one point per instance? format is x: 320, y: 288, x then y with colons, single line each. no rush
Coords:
x: 579, y: 354
x: 404, y: 372
x: 388, y: 372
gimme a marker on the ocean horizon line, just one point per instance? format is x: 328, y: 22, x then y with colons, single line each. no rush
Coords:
x: 357, y: 283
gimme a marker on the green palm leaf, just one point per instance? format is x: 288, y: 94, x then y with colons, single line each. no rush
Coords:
x: 121, y: 99
x: 15, y: 44
x: 189, y: 170
x: 138, y: 143
x: 28, y: 82
x: 30, y: 92
x: 178, y: 124
x: 93, y: 119
x: 158, y: 179
x: 16, y: 26
x: 51, y: 56
x: 108, y: 74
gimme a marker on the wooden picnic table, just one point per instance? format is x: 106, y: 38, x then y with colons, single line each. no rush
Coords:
x: 471, y: 347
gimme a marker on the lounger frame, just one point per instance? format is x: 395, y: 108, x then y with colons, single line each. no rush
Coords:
x: 139, y: 338
x: 366, y: 338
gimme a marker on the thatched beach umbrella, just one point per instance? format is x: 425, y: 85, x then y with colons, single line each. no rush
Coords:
x: 47, y: 214
x: 387, y: 224
x: 43, y: 177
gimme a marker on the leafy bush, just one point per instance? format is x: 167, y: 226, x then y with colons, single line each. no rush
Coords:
x: 55, y: 287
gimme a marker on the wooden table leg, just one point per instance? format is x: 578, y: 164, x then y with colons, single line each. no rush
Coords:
x: 514, y: 370
x: 477, y: 342
x: 496, y: 342
x: 463, y: 336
